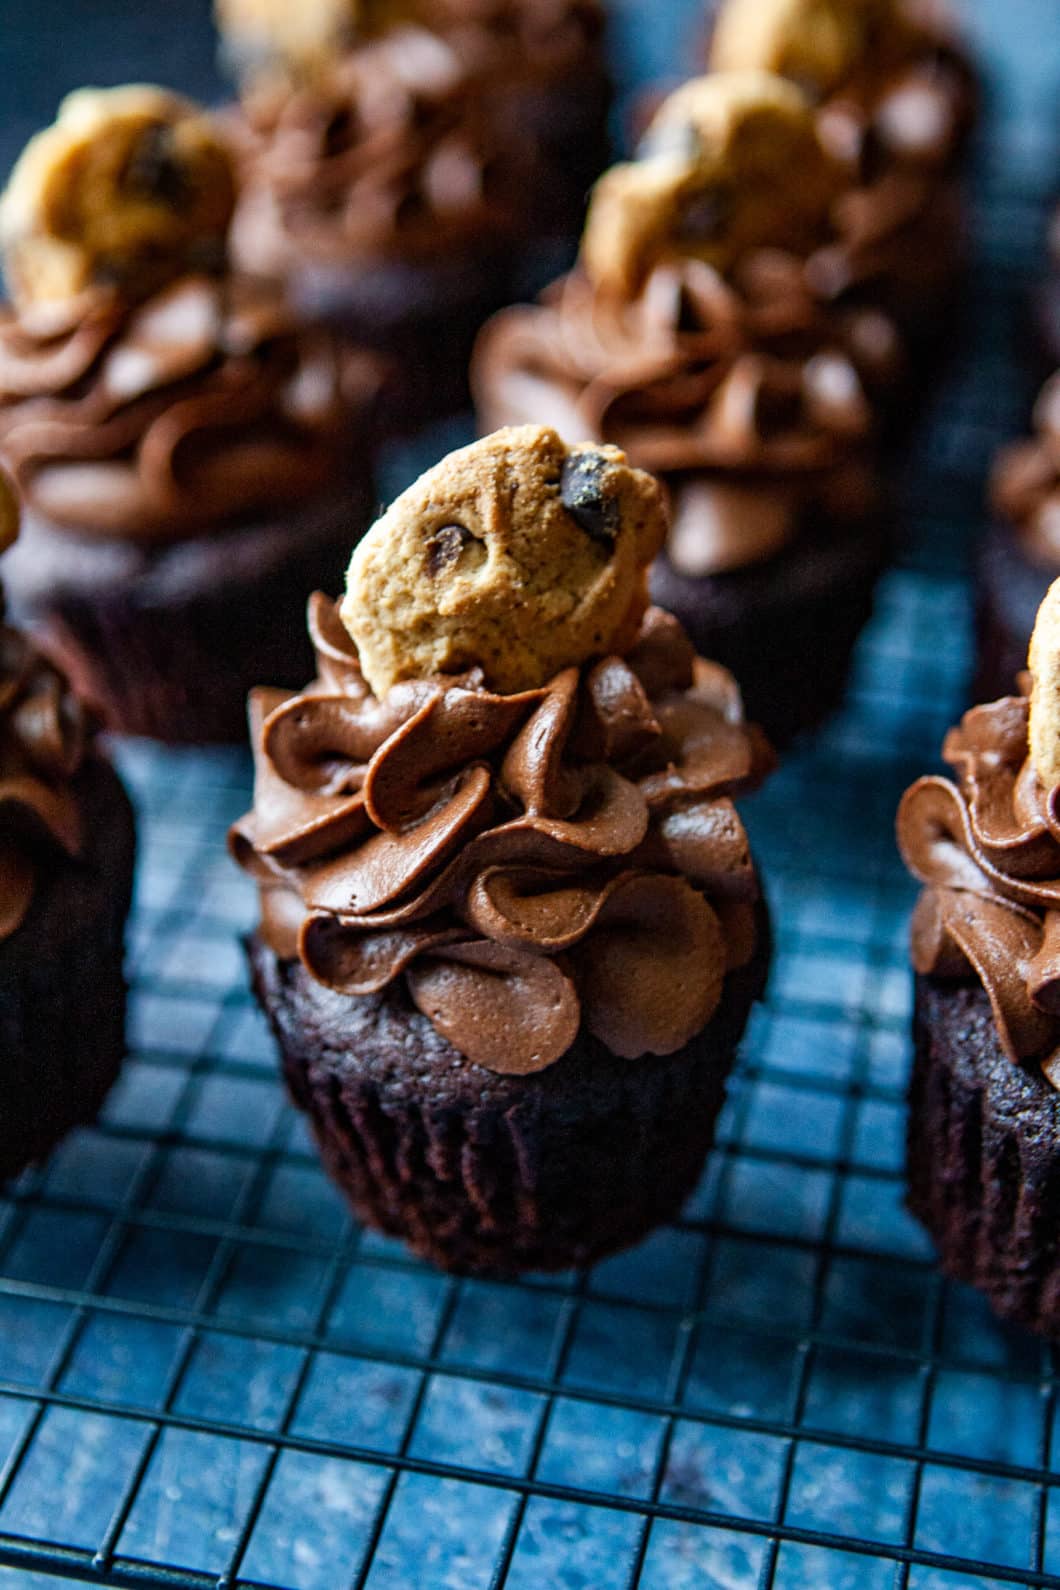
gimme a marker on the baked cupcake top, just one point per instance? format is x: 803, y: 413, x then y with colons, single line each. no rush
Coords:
x: 147, y: 391
x: 1025, y: 486
x: 896, y: 98
x: 532, y: 834
x: 688, y: 333
x: 44, y: 738
x: 986, y: 847
x: 396, y: 130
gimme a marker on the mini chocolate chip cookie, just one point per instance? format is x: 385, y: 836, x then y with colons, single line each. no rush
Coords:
x: 517, y: 555
x: 714, y: 178
x: 129, y: 187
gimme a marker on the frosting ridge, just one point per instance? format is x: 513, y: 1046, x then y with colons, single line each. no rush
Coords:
x: 750, y: 398
x: 512, y: 859
x: 986, y: 847
x: 155, y: 421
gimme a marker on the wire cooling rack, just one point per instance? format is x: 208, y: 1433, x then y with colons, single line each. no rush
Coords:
x: 210, y: 1376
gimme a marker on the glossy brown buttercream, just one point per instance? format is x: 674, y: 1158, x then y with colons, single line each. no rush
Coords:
x: 753, y: 402
x: 1026, y: 481
x: 412, y: 142
x: 987, y: 849
x: 523, y: 863
x: 168, y: 418
x: 42, y: 746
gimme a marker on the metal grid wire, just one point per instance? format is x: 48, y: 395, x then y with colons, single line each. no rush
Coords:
x: 209, y: 1376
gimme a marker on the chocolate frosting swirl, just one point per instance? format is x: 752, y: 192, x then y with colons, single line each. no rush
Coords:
x: 750, y: 399
x: 1025, y: 487
x: 413, y: 142
x: 158, y: 421
x: 523, y: 863
x: 987, y: 850
x: 43, y: 737
x: 899, y: 128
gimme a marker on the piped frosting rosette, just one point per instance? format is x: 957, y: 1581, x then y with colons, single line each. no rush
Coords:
x: 750, y: 382
x: 206, y: 402
x: 522, y: 864
x: 986, y: 847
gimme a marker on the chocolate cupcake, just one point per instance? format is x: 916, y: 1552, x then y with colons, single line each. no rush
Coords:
x: 403, y: 159
x: 511, y: 929
x: 689, y: 336
x: 66, y: 864
x: 896, y: 99
x: 984, y: 1118
x: 1019, y: 556
x: 192, y: 457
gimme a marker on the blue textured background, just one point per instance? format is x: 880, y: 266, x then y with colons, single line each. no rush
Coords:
x: 206, y: 1370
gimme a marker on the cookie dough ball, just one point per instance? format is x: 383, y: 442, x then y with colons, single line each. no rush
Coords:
x: 816, y: 43
x: 130, y: 187
x: 730, y: 162
x: 302, y: 34
x: 517, y: 555
x: 1043, y: 660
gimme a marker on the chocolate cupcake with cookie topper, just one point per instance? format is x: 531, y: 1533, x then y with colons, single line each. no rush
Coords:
x: 984, y: 1119
x: 402, y: 161
x: 66, y: 871
x: 896, y: 99
x: 689, y: 335
x: 192, y: 457
x: 511, y: 929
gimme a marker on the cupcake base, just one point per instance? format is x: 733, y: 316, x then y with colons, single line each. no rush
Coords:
x: 785, y: 628
x: 481, y: 1173
x: 62, y: 986
x: 1009, y: 588
x: 983, y: 1156
x: 167, y: 642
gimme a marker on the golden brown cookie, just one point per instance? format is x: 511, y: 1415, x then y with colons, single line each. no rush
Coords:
x: 130, y: 186
x: 816, y: 43
x: 730, y: 162
x: 303, y: 34
x: 1043, y: 660
x: 517, y: 555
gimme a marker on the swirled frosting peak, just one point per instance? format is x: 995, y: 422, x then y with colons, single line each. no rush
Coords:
x: 524, y: 864
x: 986, y: 847
x: 42, y: 745
x: 428, y: 134
x: 163, y: 419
